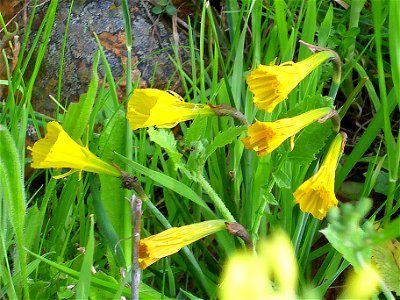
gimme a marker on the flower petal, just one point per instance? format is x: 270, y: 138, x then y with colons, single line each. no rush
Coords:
x: 164, y: 109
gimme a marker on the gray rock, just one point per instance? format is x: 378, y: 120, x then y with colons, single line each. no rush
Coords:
x: 105, y: 19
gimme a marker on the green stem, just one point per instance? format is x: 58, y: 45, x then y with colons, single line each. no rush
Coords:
x: 336, y: 75
x: 217, y: 201
x: 260, y: 212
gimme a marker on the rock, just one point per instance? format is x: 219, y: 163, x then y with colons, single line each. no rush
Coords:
x: 106, y: 20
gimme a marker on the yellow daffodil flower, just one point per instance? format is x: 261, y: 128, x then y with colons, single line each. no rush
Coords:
x: 316, y: 195
x: 272, y: 274
x: 164, y: 109
x: 272, y: 84
x: 362, y: 284
x: 170, y: 241
x: 58, y: 150
x: 265, y: 137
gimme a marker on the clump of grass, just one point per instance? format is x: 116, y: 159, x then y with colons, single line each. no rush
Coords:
x: 71, y: 237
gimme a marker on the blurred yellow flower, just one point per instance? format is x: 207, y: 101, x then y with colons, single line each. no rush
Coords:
x: 58, y: 150
x: 272, y: 84
x: 265, y: 137
x: 362, y: 284
x: 170, y: 241
x: 272, y: 274
x: 316, y: 195
x: 164, y: 109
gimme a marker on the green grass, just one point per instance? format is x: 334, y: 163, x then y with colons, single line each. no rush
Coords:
x: 206, y: 174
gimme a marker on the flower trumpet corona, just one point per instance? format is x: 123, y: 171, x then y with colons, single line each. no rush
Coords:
x: 164, y: 109
x: 58, y: 150
x: 170, y: 241
x: 272, y: 84
x: 265, y: 137
x: 316, y: 195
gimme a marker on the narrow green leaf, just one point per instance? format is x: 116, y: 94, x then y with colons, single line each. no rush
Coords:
x: 105, y: 226
x: 12, y: 192
x: 78, y: 114
x: 113, y: 197
x: 145, y: 292
x: 83, y: 286
x: 164, y: 180
x: 325, y: 28
x: 394, y: 42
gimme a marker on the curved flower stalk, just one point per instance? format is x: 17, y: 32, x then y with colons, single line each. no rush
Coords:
x: 58, y: 150
x: 164, y: 109
x: 170, y: 241
x: 265, y: 137
x: 316, y: 195
x: 272, y: 84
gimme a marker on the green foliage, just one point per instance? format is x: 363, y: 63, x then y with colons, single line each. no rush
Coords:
x: 200, y: 170
x: 163, y: 6
x: 346, y: 233
x: 166, y: 140
x: 12, y: 194
x: 386, y: 258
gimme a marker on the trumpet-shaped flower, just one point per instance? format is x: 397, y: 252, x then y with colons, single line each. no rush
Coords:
x: 58, y: 150
x: 316, y: 195
x: 272, y: 84
x: 265, y: 137
x: 170, y: 241
x: 152, y: 107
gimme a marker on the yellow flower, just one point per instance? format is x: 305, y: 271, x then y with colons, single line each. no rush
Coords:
x: 362, y: 284
x: 265, y: 137
x: 272, y: 274
x: 316, y: 195
x: 152, y: 107
x: 170, y: 241
x: 58, y: 150
x: 272, y: 84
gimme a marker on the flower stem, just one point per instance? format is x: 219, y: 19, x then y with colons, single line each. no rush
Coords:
x: 226, y: 110
x: 136, y: 210
x: 336, y: 76
x: 217, y: 201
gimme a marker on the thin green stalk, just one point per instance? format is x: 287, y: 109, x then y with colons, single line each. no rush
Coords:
x: 336, y: 76
x: 260, y: 213
x: 128, y: 42
x: 217, y: 201
x: 201, y: 51
x: 297, y: 237
x: 51, y: 13
x: 62, y: 56
x: 387, y: 128
x: 355, y: 10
